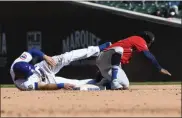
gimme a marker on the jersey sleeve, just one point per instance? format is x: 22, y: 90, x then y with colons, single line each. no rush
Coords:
x: 139, y: 44
x: 25, y: 57
x: 35, y: 52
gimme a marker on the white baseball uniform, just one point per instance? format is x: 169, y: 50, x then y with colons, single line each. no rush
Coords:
x: 103, y: 62
x: 61, y: 60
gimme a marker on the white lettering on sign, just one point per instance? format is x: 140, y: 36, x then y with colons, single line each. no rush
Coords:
x: 79, y: 39
x: 34, y: 39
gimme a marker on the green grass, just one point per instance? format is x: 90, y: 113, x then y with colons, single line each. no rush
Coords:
x: 155, y: 83
x: 7, y: 86
x: 131, y: 83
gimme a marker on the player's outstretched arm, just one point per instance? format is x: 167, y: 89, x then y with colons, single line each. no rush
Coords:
x: 151, y: 57
x: 41, y: 86
x: 35, y: 52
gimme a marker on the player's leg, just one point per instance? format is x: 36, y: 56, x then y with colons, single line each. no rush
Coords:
x: 103, y: 63
x: 103, y: 84
x: 87, y: 81
x: 116, y: 71
x: 65, y: 80
x: 121, y: 81
x: 68, y: 57
x: 75, y: 82
x: 109, y: 66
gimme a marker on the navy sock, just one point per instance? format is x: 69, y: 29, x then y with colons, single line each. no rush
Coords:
x: 114, y: 72
x: 105, y: 45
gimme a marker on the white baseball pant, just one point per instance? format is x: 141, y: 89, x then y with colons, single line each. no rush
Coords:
x: 64, y: 60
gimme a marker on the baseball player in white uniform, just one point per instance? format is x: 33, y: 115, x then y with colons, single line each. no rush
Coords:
x: 41, y: 76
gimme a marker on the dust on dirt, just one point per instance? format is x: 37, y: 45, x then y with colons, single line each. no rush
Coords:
x: 140, y: 100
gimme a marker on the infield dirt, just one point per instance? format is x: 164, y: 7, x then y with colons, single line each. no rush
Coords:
x: 144, y: 100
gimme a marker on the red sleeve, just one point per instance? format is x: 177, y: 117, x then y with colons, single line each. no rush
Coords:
x: 139, y: 44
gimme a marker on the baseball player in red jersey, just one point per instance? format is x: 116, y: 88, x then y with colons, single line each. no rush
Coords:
x: 110, y: 60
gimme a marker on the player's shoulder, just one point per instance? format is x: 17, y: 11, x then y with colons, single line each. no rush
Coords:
x: 136, y: 39
x: 25, y: 57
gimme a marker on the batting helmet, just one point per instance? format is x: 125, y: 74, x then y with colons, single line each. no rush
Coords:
x: 147, y: 36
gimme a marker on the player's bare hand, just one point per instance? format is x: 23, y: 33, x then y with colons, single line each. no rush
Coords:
x: 68, y: 86
x: 49, y: 60
x: 164, y: 71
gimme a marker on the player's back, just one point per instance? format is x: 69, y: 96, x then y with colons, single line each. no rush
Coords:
x: 128, y: 44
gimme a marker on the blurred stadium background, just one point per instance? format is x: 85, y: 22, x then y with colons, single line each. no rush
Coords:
x: 166, y: 9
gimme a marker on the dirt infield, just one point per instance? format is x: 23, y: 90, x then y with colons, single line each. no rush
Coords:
x: 144, y: 100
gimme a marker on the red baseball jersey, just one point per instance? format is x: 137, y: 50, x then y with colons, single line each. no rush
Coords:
x: 128, y: 44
